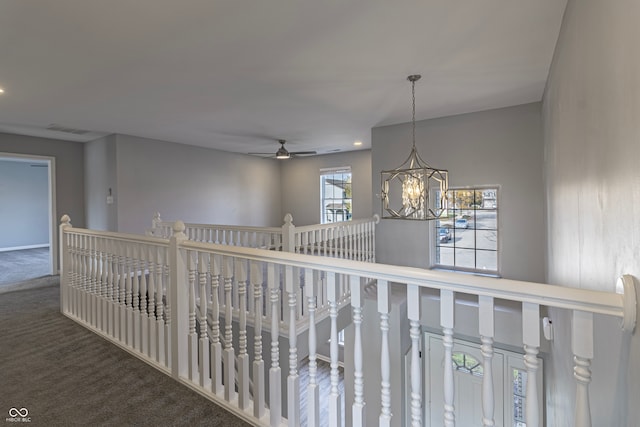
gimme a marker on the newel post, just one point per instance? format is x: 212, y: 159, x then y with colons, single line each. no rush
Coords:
x: 288, y: 234
x: 155, y: 225
x: 65, y: 263
x: 179, y: 301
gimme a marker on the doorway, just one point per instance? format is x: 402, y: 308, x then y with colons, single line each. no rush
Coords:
x: 27, y: 194
x: 509, y: 382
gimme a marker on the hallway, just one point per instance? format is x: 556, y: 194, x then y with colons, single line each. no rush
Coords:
x: 27, y: 265
x: 64, y: 374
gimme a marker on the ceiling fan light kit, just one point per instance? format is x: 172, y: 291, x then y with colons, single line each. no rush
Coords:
x: 283, y: 153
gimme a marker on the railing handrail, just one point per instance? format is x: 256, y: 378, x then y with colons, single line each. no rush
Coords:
x: 298, y: 229
x: 125, y: 237
x: 305, y: 228
x: 225, y: 227
x: 592, y: 301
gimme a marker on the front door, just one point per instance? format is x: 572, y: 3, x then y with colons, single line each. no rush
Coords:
x: 467, y: 376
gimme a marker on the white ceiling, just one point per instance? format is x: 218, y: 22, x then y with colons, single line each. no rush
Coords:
x: 237, y: 74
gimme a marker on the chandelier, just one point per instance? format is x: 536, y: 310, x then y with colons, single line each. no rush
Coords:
x: 406, y: 190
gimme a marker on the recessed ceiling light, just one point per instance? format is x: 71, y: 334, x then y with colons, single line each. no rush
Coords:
x: 1, y: 90
x: 357, y: 143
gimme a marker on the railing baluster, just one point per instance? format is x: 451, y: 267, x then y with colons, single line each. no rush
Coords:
x: 582, y: 343
x: 216, y: 346
x: 335, y: 410
x: 129, y: 300
x: 229, y: 358
x: 359, y: 407
x: 258, y: 363
x: 531, y: 339
x: 144, y: 303
x: 101, y: 294
x: 446, y: 321
x: 243, y: 356
x: 136, y: 299
x: 275, y: 379
x: 203, y: 349
x: 151, y: 305
x: 122, y: 267
x: 486, y: 324
x: 110, y: 290
x: 313, y: 389
x: 413, y: 313
x: 83, y: 279
x: 117, y: 282
x: 293, y: 380
x: 192, y: 340
x: 160, y: 324
x: 166, y: 286
x: 384, y: 308
x: 91, y: 295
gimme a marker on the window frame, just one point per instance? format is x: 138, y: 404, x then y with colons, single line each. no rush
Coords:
x: 434, y: 237
x: 344, y: 170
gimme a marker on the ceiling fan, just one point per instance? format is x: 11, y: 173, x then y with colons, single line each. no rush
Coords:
x: 283, y: 153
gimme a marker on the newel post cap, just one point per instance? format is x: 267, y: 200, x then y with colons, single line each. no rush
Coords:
x: 179, y: 228
x: 65, y: 220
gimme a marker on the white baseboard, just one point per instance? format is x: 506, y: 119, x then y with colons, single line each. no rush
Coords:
x: 20, y: 248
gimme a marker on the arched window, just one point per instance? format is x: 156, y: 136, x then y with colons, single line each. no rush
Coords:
x: 463, y: 362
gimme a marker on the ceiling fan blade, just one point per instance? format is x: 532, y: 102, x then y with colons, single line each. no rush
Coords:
x: 302, y: 153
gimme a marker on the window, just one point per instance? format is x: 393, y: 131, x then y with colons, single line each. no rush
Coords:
x: 335, y: 195
x: 466, y: 236
x: 519, y: 383
x: 466, y: 363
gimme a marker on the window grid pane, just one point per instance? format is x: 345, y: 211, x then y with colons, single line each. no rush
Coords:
x: 466, y: 237
x: 335, y: 194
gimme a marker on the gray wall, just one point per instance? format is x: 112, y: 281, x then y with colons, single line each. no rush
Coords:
x: 193, y: 184
x: 592, y: 146
x: 301, y: 184
x: 502, y: 147
x: 100, y: 176
x: 24, y: 204
x: 69, y: 159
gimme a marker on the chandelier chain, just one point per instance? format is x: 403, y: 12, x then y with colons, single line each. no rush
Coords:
x: 413, y: 116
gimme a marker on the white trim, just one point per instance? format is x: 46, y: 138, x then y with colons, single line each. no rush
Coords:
x: 53, y: 224
x: 434, y: 236
x: 20, y: 248
x: 331, y: 171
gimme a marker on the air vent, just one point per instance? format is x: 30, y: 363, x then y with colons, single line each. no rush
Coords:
x: 65, y: 129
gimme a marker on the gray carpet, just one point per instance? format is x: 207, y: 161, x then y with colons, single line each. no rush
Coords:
x: 18, y: 266
x: 66, y: 375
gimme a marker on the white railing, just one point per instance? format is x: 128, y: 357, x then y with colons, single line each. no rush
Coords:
x: 103, y: 272
x: 353, y: 240
x: 250, y: 237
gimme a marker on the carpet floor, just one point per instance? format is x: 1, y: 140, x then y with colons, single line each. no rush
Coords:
x: 18, y: 266
x: 65, y: 375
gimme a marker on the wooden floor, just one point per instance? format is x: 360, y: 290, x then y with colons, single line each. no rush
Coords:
x: 324, y: 381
